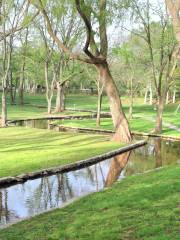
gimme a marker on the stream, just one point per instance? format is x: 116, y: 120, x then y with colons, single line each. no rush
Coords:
x: 36, y: 196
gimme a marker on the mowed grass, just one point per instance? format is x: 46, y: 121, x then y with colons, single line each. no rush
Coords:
x: 137, y: 124
x: 87, y: 102
x: 29, y: 112
x: 140, y: 207
x: 25, y: 150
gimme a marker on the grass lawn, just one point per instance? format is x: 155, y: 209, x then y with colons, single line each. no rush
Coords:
x: 140, y: 207
x: 25, y: 112
x: 137, y: 124
x: 25, y: 150
x: 87, y: 102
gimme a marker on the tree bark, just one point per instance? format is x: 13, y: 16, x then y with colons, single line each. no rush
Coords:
x: 131, y: 101
x: 150, y: 96
x: 167, y: 97
x: 60, y: 97
x: 145, y: 96
x: 98, y: 119
x: 174, y: 96
x: 21, y: 85
x: 4, y: 108
x: 160, y: 108
x: 122, y: 130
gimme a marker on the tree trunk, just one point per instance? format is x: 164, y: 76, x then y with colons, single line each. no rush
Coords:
x: 131, y: 101
x: 98, y: 119
x: 21, y: 84
x: 167, y: 97
x: 12, y: 100
x: 150, y: 96
x: 48, y: 94
x: 4, y: 109
x: 145, y: 96
x: 174, y: 96
x: 160, y: 108
x: 60, y: 98
x: 49, y: 105
x: 122, y: 130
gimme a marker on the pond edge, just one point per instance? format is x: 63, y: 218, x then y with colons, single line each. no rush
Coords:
x: 8, y: 181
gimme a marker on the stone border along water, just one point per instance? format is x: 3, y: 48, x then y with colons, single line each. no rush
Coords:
x: 66, y: 117
x: 8, y: 181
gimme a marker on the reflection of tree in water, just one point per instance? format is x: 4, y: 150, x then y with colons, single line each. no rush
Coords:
x: 41, y: 198
x: 5, y: 214
x: 117, y: 165
x: 64, y: 190
x: 49, y: 193
x: 158, y: 153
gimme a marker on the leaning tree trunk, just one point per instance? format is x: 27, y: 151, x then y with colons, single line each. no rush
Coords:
x: 160, y: 108
x: 117, y: 165
x: 122, y: 130
x: 60, y: 98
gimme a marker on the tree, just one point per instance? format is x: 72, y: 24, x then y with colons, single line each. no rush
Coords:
x: 160, y: 43
x: 48, y: 55
x: 23, y: 65
x: 174, y: 10
x: 129, y: 63
x: 14, y: 16
x: 95, y: 55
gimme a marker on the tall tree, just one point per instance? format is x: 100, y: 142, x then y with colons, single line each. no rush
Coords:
x: 174, y: 10
x: 160, y: 43
x: 95, y: 12
x: 14, y: 16
x: 23, y: 65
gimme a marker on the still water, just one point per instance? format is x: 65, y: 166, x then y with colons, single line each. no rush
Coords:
x: 39, y: 195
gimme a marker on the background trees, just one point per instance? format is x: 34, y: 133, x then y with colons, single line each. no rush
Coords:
x: 73, y: 38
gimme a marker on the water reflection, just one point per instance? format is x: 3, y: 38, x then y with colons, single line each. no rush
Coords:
x: 117, y: 165
x: 35, y: 196
x: 158, y: 155
x: 40, y: 124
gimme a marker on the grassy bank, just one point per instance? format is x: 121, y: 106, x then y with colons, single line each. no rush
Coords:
x: 30, y: 112
x: 137, y: 124
x: 25, y: 150
x: 139, y: 207
x: 143, y: 121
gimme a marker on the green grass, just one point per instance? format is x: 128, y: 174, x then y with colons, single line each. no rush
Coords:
x: 137, y: 124
x: 88, y: 102
x: 25, y: 150
x: 140, y: 207
x: 30, y: 112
